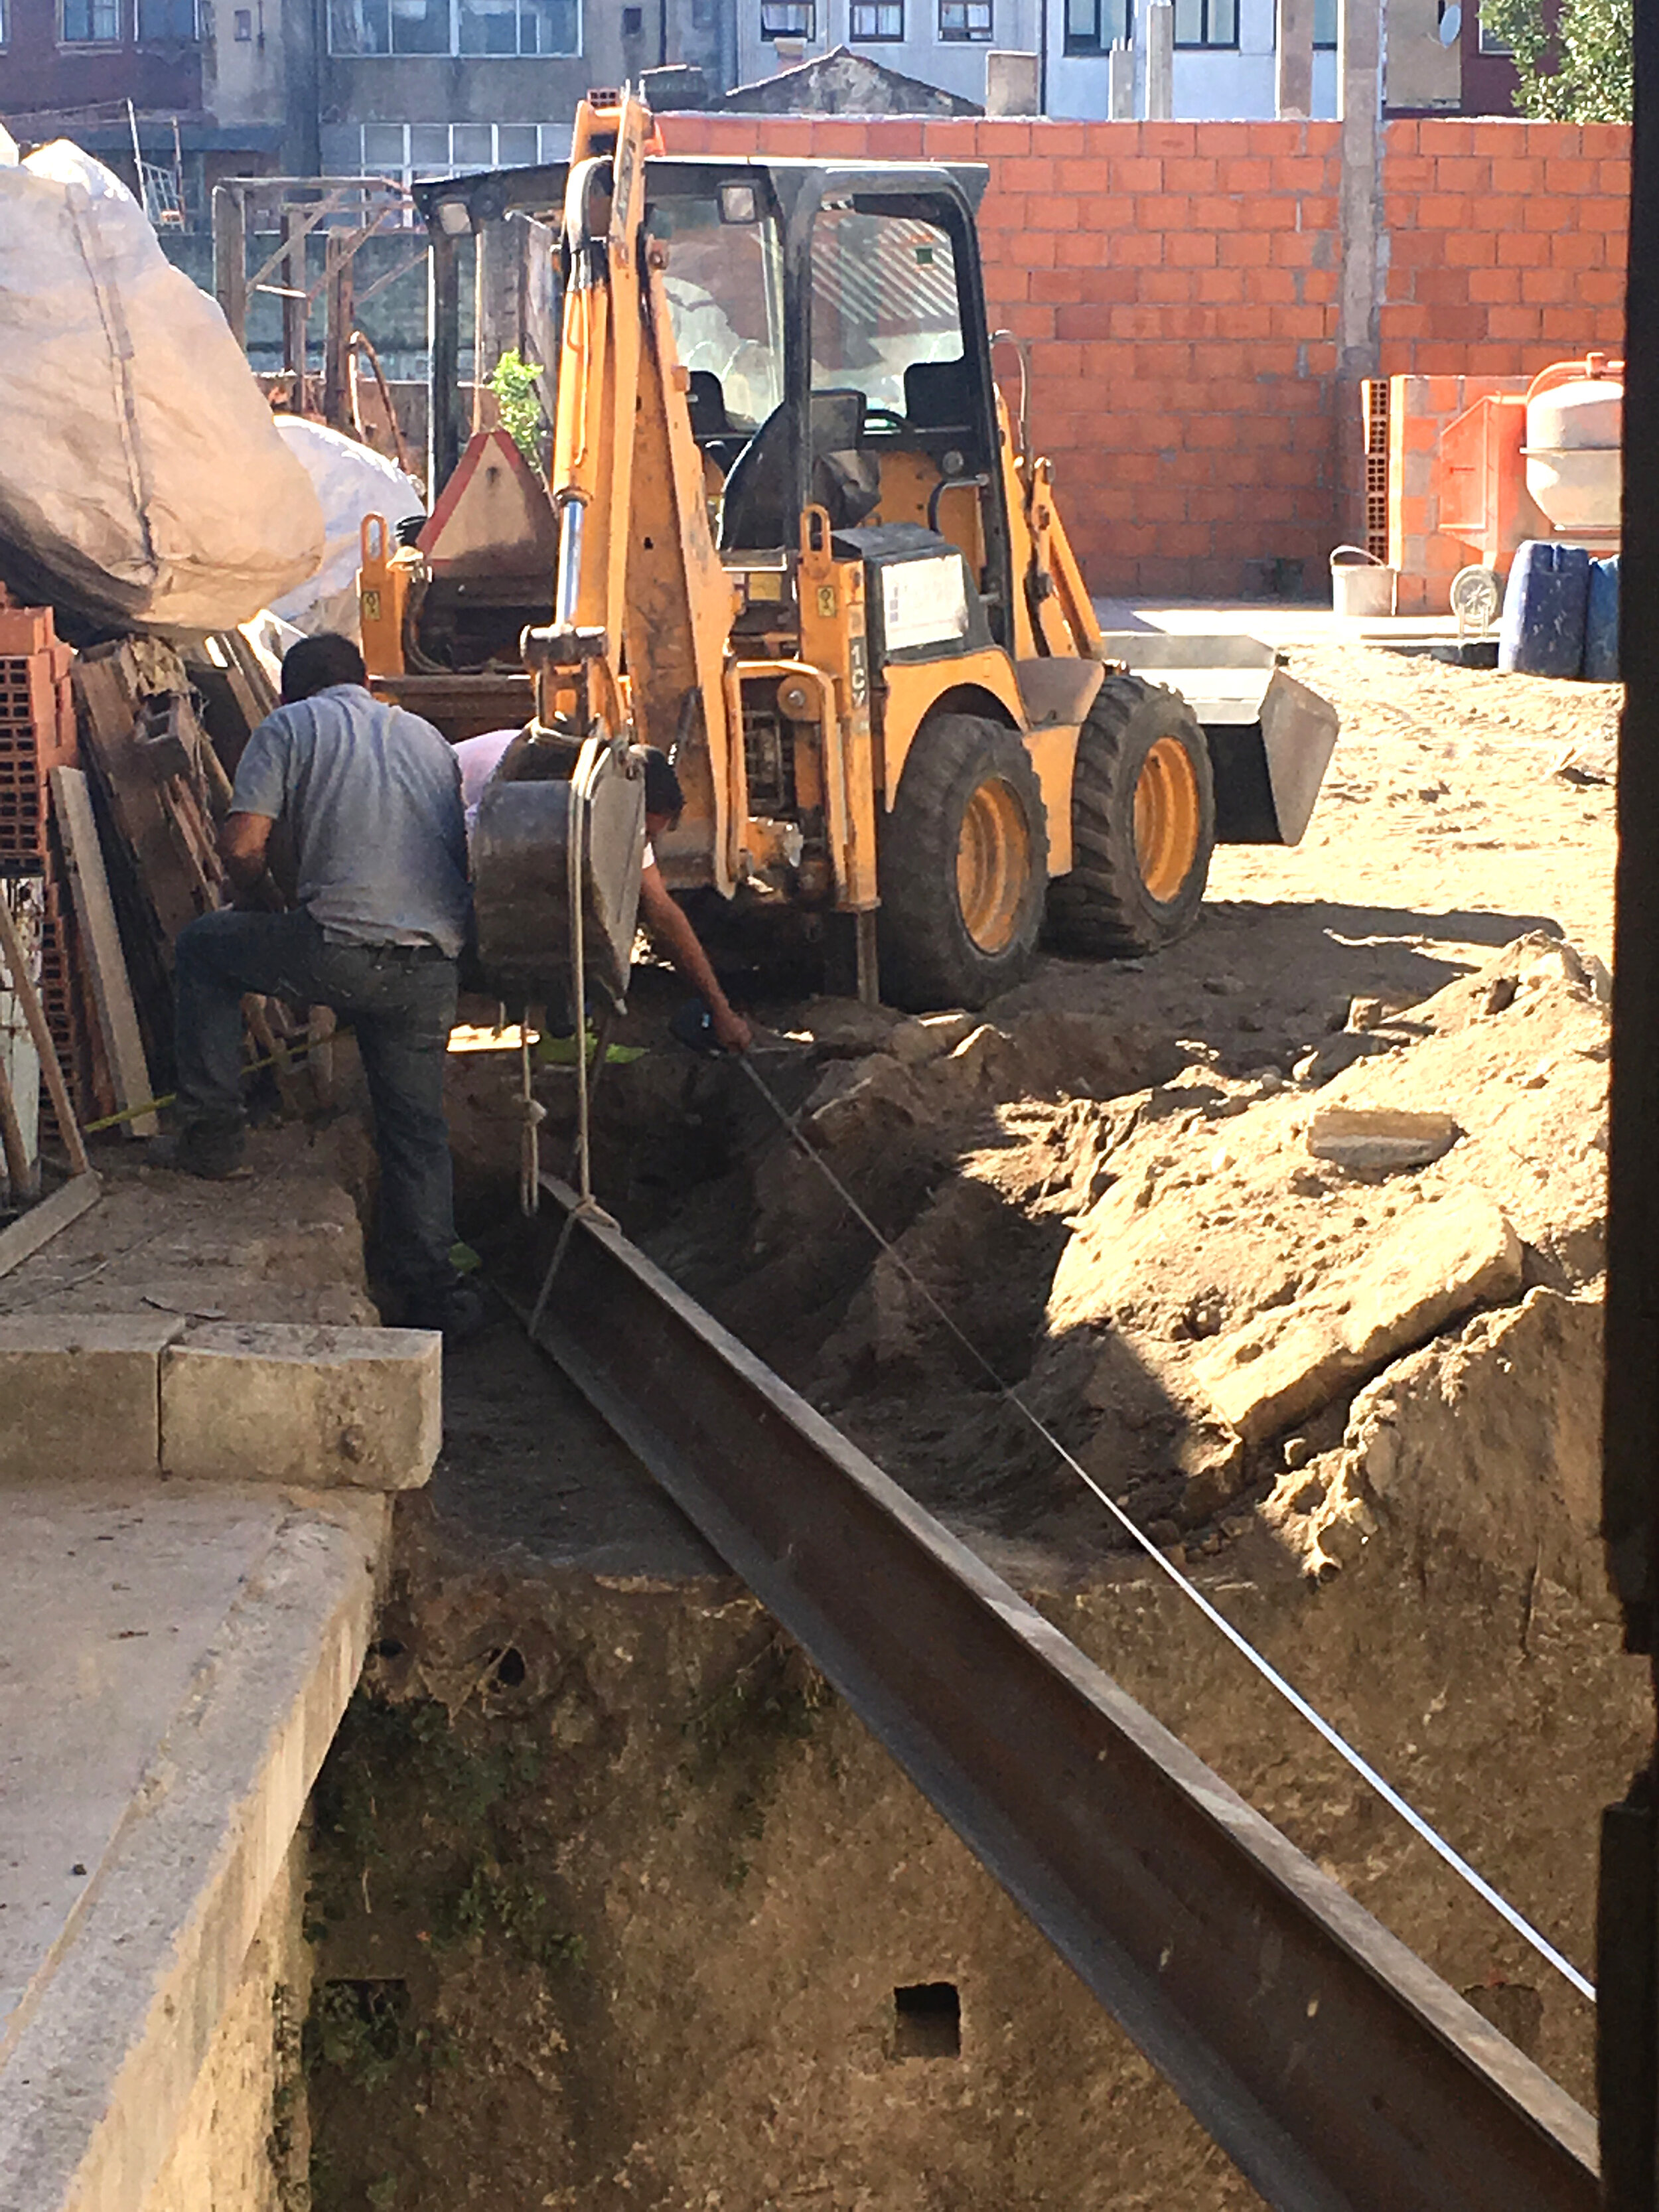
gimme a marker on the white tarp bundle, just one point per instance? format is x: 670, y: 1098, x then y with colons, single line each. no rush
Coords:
x: 140, y: 476
x: 351, y: 482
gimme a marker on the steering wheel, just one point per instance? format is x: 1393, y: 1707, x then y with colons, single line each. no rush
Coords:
x: 890, y: 415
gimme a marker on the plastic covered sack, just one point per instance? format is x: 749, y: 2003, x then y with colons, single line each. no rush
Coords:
x: 350, y: 481
x: 142, y: 479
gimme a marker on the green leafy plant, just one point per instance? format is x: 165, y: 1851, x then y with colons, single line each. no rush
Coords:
x: 1578, y: 71
x: 515, y: 386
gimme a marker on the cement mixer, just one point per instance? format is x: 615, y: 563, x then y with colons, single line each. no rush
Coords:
x: 1575, y: 425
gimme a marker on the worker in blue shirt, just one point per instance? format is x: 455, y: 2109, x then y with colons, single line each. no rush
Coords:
x: 370, y: 796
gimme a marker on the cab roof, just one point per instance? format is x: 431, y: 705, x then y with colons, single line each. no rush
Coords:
x: 486, y: 194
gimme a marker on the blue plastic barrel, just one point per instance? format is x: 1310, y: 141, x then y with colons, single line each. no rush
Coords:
x: 1542, y: 629
x: 1601, y: 623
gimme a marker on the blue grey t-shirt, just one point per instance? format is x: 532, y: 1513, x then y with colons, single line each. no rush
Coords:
x: 373, y: 796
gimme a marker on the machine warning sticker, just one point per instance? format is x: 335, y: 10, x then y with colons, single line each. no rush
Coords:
x: 923, y: 602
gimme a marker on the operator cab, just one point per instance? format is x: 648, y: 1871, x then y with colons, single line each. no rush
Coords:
x: 831, y: 322
x: 832, y: 326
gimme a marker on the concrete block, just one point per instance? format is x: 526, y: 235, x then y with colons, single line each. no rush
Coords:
x: 317, y: 1407
x: 1443, y: 1259
x: 1377, y: 1140
x: 79, y: 1394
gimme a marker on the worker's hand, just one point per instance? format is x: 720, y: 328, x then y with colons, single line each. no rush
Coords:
x: 729, y: 1029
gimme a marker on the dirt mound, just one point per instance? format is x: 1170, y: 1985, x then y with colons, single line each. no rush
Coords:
x: 1231, y: 1288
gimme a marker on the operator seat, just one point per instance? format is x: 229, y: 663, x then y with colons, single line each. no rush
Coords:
x: 846, y: 481
x: 939, y: 395
x: 711, y: 425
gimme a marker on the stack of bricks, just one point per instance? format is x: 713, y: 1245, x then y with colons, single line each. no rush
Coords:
x: 1178, y: 283
x: 1425, y: 556
x: 1506, y: 245
x: 37, y: 734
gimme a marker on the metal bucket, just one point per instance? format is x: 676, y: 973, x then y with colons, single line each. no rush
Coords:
x: 1361, y: 584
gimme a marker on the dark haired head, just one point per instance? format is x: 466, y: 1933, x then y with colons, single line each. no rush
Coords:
x: 316, y: 662
x: 663, y: 794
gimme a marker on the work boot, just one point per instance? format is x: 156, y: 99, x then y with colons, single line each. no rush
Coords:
x: 212, y: 1150
x: 459, y: 1312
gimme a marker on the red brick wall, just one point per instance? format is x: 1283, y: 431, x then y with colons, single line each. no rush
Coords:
x: 1506, y: 245
x: 1178, y: 282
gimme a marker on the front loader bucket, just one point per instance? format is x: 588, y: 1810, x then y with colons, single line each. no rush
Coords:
x: 1271, y: 738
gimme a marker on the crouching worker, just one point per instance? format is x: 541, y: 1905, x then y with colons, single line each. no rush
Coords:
x: 371, y: 797
x: 665, y: 920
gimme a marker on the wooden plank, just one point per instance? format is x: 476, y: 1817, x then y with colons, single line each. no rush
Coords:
x: 42, y: 1223
x: 20, y: 1168
x: 118, y: 1018
x: 22, y: 987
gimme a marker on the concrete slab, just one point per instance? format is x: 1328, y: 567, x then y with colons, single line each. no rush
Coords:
x: 80, y: 1393
x: 277, y: 1402
x: 1282, y: 622
x: 173, y: 1662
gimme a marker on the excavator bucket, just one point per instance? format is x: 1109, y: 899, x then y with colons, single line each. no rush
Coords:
x: 1271, y: 738
x: 531, y: 838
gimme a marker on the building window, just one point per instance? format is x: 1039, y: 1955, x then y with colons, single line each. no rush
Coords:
x: 173, y: 20
x: 789, y: 19
x: 869, y: 20
x: 1206, y: 22
x: 1095, y: 27
x: 5, y: 35
x: 633, y: 22
x: 406, y: 152
x: 964, y: 19
x: 451, y: 27
x: 1489, y: 41
x: 1324, y: 36
x: 89, y: 23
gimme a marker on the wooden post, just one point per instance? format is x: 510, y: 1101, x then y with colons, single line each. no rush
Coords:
x: 118, y: 1018
x: 498, y: 297
x: 230, y: 258
x: 340, y: 248
x: 296, y: 314
x: 445, y: 434
x: 23, y: 990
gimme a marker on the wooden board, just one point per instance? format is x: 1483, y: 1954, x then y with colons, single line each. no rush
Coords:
x: 42, y: 1223
x: 118, y: 1018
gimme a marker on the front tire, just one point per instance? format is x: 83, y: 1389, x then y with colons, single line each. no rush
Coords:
x: 1143, y: 824
x: 963, y: 867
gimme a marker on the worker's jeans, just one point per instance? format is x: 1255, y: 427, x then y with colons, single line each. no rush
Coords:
x: 400, y: 1001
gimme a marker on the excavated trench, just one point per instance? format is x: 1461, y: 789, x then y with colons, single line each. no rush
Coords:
x: 614, y: 1904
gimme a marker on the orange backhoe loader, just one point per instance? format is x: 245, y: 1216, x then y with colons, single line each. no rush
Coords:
x: 792, y: 534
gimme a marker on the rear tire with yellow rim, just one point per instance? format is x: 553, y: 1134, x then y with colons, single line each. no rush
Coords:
x: 963, y: 868
x: 1143, y: 824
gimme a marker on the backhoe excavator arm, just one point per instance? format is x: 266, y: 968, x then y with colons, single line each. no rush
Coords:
x: 641, y: 607
x: 577, y: 658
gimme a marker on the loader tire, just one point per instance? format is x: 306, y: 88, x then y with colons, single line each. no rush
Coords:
x: 1143, y: 824
x: 963, y: 868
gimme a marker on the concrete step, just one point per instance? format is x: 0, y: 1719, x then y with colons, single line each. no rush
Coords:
x: 175, y: 1659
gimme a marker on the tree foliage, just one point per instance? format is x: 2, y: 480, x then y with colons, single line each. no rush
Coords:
x: 515, y: 386
x: 1578, y: 71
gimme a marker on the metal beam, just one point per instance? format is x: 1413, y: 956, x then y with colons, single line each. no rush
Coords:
x: 1337, y: 2071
